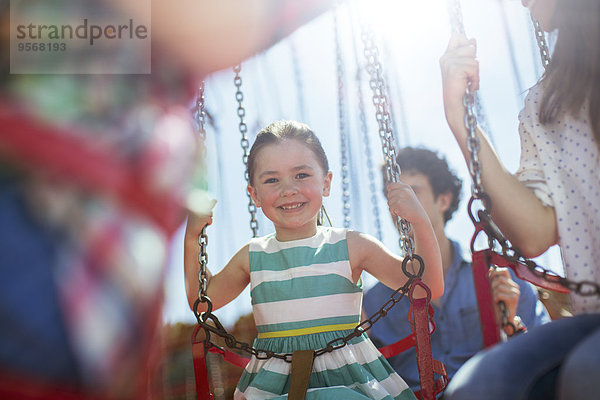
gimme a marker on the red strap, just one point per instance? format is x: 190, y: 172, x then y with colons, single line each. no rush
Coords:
x: 400, y: 346
x: 200, y: 369
x: 231, y: 357
x: 423, y: 347
x: 440, y: 384
x: 485, y: 301
x: 201, y: 372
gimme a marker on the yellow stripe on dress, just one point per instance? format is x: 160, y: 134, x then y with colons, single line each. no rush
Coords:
x: 307, y: 331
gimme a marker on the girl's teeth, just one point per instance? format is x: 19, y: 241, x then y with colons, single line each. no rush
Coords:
x: 291, y: 207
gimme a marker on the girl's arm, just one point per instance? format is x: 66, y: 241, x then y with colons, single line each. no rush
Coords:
x: 224, y: 286
x: 521, y: 216
x: 369, y: 254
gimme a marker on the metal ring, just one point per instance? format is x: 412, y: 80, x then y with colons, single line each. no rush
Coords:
x: 421, y: 267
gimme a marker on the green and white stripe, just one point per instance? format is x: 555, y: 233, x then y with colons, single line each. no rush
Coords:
x: 303, y: 297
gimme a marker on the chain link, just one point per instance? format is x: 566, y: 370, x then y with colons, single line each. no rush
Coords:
x: 200, y: 114
x: 203, y: 261
x: 457, y: 25
x: 473, y: 145
x: 583, y: 288
x: 540, y: 39
x: 362, y: 116
x: 386, y: 134
x: 218, y: 329
x: 298, y: 79
x: 243, y: 128
x: 456, y: 16
x: 342, y: 123
x: 407, y: 246
x: 200, y: 118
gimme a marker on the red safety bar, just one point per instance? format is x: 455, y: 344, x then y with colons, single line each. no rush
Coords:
x: 482, y: 260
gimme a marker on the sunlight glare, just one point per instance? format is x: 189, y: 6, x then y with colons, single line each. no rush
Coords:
x: 405, y: 20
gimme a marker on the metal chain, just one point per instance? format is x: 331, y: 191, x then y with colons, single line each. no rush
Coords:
x: 243, y: 128
x: 457, y: 25
x: 200, y: 114
x: 370, y: 169
x: 200, y: 118
x: 540, y: 39
x: 473, y: 145
x: 342, y: 123
x: 393, y: 172
x: 456, y: 16
x: 584, y: 288
x: 362, y: 115
x: 298, y: 79
x: 511, y: 254
x: 230, y: 340
x: 218, y: 329
x: 203, y: 261
x: 386, y: 134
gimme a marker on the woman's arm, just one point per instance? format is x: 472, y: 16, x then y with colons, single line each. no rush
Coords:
x: 521, y: 216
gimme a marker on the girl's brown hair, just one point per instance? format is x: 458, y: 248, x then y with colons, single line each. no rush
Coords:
x: 279, y: 131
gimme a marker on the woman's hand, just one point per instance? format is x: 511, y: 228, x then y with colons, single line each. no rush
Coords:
x: 460, y: 68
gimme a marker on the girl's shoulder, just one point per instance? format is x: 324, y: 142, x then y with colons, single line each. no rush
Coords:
x: 261, y: 241
x: 333, y: 233
x: 360, y: 242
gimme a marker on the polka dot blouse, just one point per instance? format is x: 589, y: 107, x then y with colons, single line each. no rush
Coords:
x: 560, y: 163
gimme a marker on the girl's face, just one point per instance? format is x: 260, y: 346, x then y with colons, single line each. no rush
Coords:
x: 543, y: 11
x: 289, y: 184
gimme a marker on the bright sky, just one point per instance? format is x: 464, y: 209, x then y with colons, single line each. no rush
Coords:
x: 413, y: 35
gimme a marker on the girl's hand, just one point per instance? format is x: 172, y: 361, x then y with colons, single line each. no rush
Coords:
x: 459, y: 67
x: 197, y: 222
x: 403, y: 203
x: 506, y: 290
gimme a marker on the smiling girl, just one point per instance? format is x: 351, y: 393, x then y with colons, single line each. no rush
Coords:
x: 305, y: 278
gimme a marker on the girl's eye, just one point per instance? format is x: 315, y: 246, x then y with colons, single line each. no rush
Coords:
x: 302, y: 175
x: 271, y: 180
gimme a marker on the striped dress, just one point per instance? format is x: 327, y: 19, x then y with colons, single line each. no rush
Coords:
x: 302, y: 298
